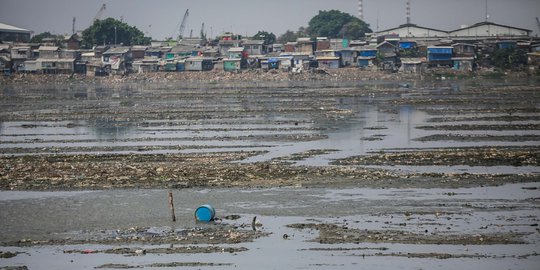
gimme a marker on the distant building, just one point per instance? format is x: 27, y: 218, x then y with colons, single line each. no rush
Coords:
x: 14, y: 34
x: 489, y: 29
x: 411, y: 31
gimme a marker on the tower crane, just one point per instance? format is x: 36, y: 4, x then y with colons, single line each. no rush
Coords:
x: 538, y: 23
x: 203, y: 35
x: 183, y: 25
x: 100, y: 13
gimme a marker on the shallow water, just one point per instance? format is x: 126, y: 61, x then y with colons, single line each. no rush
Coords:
x: 455, y: 211
x: 368, y: 118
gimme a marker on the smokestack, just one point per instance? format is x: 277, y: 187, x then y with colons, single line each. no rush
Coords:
x: 361, y: 9
x: 408, y: 11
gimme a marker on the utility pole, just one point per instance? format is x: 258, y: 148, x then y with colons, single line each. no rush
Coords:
x: 115, y: 36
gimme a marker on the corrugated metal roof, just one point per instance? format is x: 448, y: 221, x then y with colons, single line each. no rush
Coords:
x: 328, y: 58
x: 490, y: 23
x: 253, y: 42
x: 117, y: 50
x: 236, y: 49
x: 10, y: 28
x: 48, y: 48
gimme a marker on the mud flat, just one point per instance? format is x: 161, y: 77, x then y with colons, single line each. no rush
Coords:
x: 473, y: 156
x: 318, y: 170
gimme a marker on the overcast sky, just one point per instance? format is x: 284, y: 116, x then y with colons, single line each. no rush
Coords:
x: 159, y: 18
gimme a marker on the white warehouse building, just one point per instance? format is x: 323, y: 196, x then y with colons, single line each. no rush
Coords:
x: 489, y: 29
x: 414, y: 31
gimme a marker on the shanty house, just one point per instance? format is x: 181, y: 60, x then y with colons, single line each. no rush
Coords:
x: 533, y: 60
x: 271, y: 63
x: 30, y: 66
x: 386, y: 49
x: 232, y: 64
x: 72, y: 42
x: 255, y: 47
x: 439, y: 55
x: 146, y: 65
x: 411, y: 65
x: 463, y: 63
x: 304, y: 45
x: 49, y: 52
x: 198, y: 64
x: 348, y: 57
x: 156, y: 52
x: 138, y: 52
x: 181, y: 51
x: 19, y: 55
x: 323, y: 44
x: 118, y: 59
x: 507, y: 44
x: 407, y: 45
x: 286, y: 62
x: 339, y: 44
x: 290, y: 47
x: 5, y: 58
x: 55, y: 66
x: 225, y: 45
x: 464, y: 50
x: 328, y: 62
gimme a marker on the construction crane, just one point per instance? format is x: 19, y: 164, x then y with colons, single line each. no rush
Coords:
x: 203, y: 35
x: 183, y: 25
x: 538, y: 23
x: 100, y: 13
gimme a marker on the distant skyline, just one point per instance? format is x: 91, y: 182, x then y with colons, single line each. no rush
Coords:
x: 160, y: 18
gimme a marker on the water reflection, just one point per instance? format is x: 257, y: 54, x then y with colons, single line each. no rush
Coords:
x: 106, y: 129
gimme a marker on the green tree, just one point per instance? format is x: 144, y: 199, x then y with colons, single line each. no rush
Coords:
x: 269, y: 38
x: 337, y: 24
x: 288, y: 36
x: 104, y: 32
x: 509, y: 58
x: 39, y: 37
x: 291, y: 36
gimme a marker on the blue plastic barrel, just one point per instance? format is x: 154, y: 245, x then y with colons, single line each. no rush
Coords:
x: 205, y: 213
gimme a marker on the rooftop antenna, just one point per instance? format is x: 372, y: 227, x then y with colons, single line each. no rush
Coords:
x: 361, y: 9
x: 486, y: 14
x: 73, y: 26
x: 408, y: 11
x: 377, y: 20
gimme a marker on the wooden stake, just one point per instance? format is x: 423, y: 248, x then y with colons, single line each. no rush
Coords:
x: 171, y: 204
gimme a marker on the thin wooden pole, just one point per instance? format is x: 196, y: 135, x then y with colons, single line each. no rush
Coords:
x: 171, y: 204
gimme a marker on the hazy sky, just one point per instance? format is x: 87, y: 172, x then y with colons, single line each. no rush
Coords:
x: 159, y: 18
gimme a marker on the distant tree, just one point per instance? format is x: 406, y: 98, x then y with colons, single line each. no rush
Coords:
x: 103, y: 32
x: 269, y: 38
x: 288, y: 36
x: 337, y: 24
x: 509, y: 58
x: 40, y: 37
x: 291, y: 36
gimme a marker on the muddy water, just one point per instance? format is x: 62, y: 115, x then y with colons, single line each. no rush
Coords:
x: 281, y: 121
x: 435, y: 212
x: 329, y: 122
